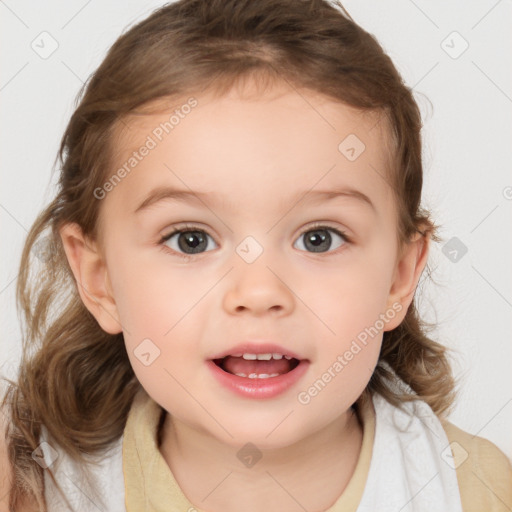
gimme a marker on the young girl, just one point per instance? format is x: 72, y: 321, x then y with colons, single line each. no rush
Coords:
x: 224, y: 318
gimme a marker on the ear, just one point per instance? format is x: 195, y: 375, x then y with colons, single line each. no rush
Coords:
x: 90, y: 272
x: 410, y: 264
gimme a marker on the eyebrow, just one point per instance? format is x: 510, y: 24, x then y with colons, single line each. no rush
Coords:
x: 171, y: 193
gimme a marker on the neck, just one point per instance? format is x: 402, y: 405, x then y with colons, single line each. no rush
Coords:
x: 310, y: 474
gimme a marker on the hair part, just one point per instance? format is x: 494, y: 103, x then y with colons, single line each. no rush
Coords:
x: 74, y: 378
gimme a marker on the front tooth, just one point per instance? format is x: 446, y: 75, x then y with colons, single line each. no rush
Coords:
x: 258, y: 375
x: 264, y: 357
x: 251, y: 357
x: 277, y: 356
x: 288, y: 357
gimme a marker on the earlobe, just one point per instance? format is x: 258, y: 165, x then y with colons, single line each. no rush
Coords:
x: 408, y: 270
x: 91, y: 276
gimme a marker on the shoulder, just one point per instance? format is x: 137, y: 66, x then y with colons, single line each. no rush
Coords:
x: 484, y: 472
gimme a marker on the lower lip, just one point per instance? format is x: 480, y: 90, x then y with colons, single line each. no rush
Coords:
x: 259, y: 388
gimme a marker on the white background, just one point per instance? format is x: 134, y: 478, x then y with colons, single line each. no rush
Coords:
x: 467, y: 158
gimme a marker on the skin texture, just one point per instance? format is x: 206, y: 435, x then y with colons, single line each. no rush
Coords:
x: 258, y: 158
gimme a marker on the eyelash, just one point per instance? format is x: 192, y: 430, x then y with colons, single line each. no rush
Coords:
x: 186, y: 228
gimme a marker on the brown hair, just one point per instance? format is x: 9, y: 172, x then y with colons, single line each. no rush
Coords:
x: 74, y: 378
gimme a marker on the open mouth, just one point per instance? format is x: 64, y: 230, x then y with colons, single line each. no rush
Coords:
x: 257, y: 366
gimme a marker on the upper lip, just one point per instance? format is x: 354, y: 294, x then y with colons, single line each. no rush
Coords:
x: 257, y: 348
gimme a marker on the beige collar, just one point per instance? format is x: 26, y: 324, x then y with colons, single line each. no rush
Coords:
x: 150, y: 484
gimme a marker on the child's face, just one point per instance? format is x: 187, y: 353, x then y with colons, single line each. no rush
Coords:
x: 258, y: 167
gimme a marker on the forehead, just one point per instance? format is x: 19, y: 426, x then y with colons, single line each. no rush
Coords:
x: 264, y: 146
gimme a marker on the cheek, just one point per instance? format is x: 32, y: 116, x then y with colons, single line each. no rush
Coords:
x: 163, y: 307
x: 159, y: 314
x: 352, y: 295
x: 151, y: 295
x: 141, y: 301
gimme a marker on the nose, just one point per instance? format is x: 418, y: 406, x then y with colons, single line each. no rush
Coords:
x: 257, y: 288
